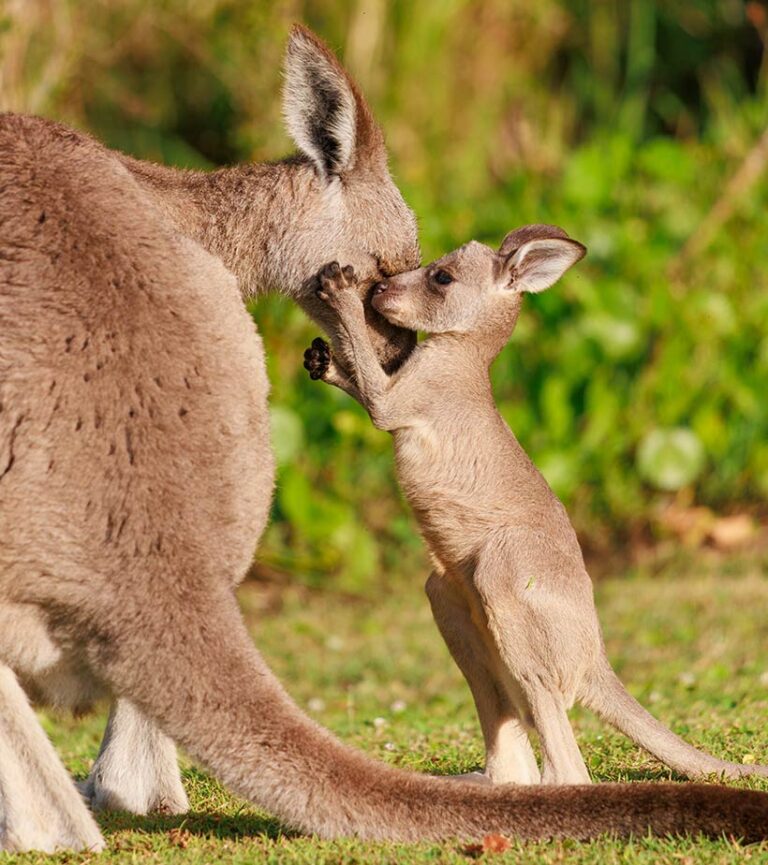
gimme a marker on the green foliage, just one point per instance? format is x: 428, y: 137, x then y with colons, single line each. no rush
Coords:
x: 643, y: 371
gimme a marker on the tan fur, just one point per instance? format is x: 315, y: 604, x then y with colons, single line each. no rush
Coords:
x: 509, y: 592
x: 135, y: 479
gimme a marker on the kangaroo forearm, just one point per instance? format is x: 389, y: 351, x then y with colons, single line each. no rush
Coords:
x: 339, y: 290
x: 371, y: 380
x: 338, y: 378
x: 374, y: 389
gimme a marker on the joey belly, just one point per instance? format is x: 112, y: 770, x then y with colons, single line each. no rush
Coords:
x: 457, y: 504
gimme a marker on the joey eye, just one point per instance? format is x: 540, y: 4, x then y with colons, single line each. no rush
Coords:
x: 442, y: 277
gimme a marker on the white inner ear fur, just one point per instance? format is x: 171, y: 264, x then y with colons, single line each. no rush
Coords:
x: 319, y: 108
x: 538, y: 264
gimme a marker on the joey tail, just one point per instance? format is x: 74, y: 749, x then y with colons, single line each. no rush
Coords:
x: 213, y: 694
x: 608, y: 697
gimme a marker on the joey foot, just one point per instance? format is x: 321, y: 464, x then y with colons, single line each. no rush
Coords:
x: 317, y: 359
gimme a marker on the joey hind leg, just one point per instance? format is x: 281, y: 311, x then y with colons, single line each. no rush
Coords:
x: 562, y: 762
x: 40, y: 808
x: 539, y: 644
x: 136, y: 769
x: 509, y: 756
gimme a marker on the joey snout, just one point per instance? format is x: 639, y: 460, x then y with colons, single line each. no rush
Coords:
x: 391, y: 297
x: 336, y: 289
x: 384, y: 297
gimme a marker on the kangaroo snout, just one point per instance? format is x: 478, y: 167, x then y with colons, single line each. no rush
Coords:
x: 385, y: 297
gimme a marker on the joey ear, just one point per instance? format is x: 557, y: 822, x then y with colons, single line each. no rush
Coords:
x: 537, y: 264
x: 324, y: 112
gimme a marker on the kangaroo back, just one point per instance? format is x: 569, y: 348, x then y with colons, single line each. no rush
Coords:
x: 132, y: 383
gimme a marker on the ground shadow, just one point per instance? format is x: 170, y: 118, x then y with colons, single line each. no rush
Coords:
x: 205, y: 823
x: 641, y: 775
x: 660, y: 775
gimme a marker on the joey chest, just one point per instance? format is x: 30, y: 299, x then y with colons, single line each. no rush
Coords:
x: 466, y: 476
x: 447, y: 467
x: 432, y: 449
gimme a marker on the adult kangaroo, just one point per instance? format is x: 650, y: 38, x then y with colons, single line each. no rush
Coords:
x: 136, y: 476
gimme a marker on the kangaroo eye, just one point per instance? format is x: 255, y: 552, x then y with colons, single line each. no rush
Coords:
x: 442, y: 277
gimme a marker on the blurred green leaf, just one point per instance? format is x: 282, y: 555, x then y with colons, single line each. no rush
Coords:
x: 670, y: 458
x: 619, y: 338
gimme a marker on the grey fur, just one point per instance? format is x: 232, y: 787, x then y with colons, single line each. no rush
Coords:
x: 509, y: 592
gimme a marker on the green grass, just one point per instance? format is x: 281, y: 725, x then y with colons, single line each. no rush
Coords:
x: 693, y: 650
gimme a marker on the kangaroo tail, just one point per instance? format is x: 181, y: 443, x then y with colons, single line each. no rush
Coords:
x: 610, y: 699
x: 212, y: 693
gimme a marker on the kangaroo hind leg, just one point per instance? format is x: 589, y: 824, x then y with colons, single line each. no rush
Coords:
x: 40, y: 808
x: 541, y: 641
x: 136, y: 769
x: 561, y: 758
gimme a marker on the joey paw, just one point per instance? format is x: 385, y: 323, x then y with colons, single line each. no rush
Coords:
x: 334, y: 283
x: 317, y: 358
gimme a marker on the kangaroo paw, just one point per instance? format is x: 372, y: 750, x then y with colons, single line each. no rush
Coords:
x: 317, y: 359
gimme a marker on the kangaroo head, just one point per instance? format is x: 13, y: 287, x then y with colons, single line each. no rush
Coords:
x: 351, y: 209
x: 475, y: 289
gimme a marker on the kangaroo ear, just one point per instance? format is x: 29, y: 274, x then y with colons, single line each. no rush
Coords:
x: 324, y: 112
x: 535, y: 257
